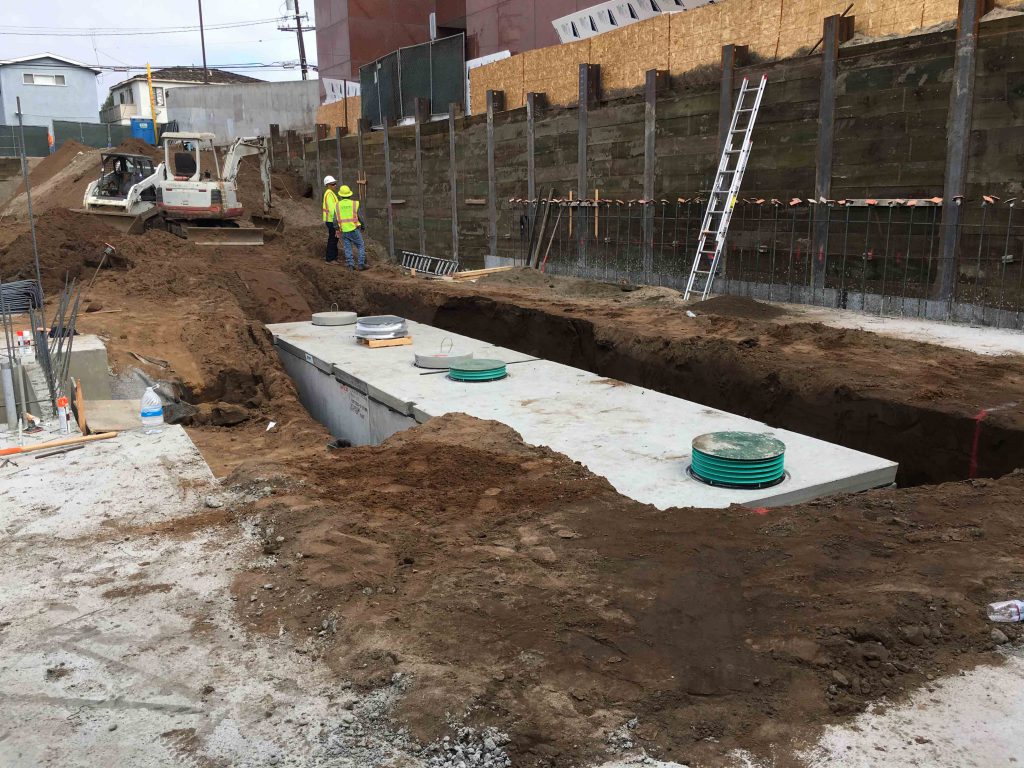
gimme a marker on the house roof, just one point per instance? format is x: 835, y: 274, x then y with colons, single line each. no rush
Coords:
x: 48, y: 55
x: 191, y: 75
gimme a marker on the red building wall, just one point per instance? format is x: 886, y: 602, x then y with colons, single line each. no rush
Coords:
x: 351, y: 33
x: 514, y: 25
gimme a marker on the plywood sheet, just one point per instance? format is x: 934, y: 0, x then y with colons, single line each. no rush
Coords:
x: 112, y: 415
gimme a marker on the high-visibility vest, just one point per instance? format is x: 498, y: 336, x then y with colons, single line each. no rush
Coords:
x: 330, y: 202
x: 348, y: 214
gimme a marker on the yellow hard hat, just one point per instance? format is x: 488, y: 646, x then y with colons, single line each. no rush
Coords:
x: 345, y: 191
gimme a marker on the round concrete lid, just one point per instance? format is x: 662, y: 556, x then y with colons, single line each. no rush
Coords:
x: 334, y: 318
x: 478, y: 364
x: 381, y: 320
x: 739, y: 446
x: 442, y: 361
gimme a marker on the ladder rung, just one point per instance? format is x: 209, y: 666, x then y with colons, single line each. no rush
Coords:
x: 702, y: 271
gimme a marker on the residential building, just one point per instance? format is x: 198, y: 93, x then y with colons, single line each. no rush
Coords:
x: 130, y: 98
x: 51, y: 87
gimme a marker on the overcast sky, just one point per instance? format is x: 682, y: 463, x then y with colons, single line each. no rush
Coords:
x: 59, y: 19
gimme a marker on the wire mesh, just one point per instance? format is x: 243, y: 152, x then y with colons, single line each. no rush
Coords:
x: 882, y: 257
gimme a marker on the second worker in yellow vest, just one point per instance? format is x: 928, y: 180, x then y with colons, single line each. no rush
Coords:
x: 350, y: 220
x: 330, y: 212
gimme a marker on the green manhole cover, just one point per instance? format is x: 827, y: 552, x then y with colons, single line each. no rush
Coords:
x: 738, y: 459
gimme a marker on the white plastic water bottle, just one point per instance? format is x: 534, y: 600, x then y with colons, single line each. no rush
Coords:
x: 151, y: 409
x: 1007, y: 612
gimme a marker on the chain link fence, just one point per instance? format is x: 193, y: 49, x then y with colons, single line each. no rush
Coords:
x: 36, y: 141
x: 98, y: 135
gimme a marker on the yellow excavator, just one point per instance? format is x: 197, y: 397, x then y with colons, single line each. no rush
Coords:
x: 188, y: 194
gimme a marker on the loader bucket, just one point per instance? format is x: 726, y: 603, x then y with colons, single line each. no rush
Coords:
x: 224, y: 235
x: 272, y: 226
x: 129, y: 223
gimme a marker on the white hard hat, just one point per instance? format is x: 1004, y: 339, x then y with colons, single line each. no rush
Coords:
x: 329, y: 180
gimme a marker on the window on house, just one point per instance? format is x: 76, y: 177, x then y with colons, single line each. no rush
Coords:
x: 158, y: 96
x: 37, y: 79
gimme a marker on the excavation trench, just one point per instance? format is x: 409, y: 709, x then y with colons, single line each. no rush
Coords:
x: 933, y: 442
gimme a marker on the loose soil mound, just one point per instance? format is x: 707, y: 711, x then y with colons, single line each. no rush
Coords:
x: 54, y: 164
x: 512, y: 584
x: 738, y: 306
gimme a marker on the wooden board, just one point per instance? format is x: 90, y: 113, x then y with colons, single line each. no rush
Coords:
x: 375, y: 343
x: 80, y: 408
x: 112, y: 415
x: 472, y: 273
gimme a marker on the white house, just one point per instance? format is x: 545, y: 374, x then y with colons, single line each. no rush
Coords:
x: 131, y: 97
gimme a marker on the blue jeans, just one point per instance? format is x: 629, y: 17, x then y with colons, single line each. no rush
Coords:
x: 348, y: 239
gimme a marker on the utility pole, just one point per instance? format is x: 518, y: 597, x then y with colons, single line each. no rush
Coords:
x: 202, y: 42
x: 299, y: 29
x: 302, y: 43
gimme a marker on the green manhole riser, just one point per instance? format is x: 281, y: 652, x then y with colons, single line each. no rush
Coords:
x: 478, y: 370
x: 713, y: 469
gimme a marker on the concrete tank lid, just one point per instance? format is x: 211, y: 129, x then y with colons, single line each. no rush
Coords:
x: 739, y: 446
x: 334, y: 318
x: 381, y: 320
x: 442, y: 360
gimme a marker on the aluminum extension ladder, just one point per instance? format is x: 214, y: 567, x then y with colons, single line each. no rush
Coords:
x: 428, y: 265
x: 727, y: 187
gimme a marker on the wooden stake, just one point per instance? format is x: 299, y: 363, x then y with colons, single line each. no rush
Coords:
x: 597, y: 208
x: 80, y: 407
x: 570, y: 217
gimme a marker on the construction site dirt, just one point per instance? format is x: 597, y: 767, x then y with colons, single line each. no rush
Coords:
x: 509, y: 586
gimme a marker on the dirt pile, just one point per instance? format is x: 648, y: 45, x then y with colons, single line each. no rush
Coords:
x: 53, y: 164
x: 737, y: 306
x: 58, y: 182
x: 66, y: 242
x: 510, y: 583
x: 135, y: 146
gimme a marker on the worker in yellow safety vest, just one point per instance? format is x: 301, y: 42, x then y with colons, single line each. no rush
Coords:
x: 350, y: 220
x: 330, y: 212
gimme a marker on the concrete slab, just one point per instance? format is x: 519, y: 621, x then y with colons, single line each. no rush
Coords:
x: 120, y: 641
x: 637, y: 438
x: 978, y: 339
x: 973, y: 720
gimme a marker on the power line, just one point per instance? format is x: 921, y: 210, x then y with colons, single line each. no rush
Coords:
x: 155, y: 67
x: 23, y: 32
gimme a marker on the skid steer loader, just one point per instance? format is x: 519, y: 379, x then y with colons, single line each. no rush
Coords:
x: 187, y: 194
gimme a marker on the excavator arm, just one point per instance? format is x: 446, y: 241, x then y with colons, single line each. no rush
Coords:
x: 243, y: 147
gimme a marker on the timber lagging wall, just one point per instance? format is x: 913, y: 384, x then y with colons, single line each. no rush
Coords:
x: 892, y: 100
